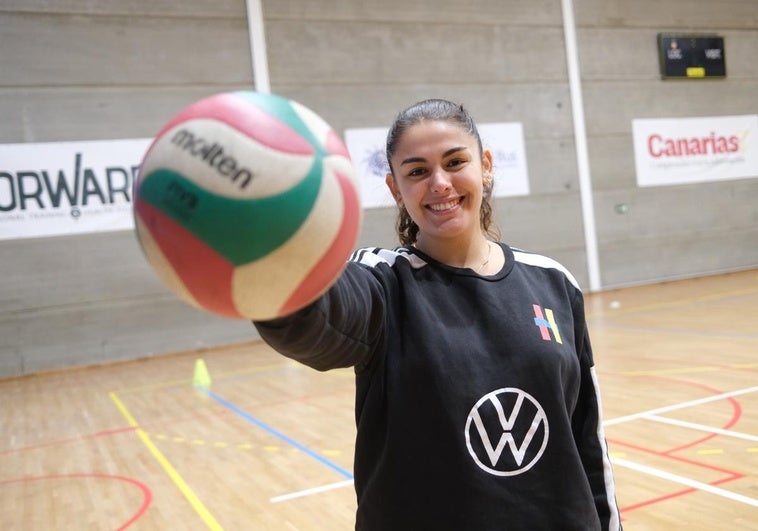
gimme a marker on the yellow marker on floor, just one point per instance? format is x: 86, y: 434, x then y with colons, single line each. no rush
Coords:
x: 202, y: 377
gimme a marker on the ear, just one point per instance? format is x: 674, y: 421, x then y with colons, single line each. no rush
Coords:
x: 390, y: 181
x: 487, y: 161
x: 487, y: 176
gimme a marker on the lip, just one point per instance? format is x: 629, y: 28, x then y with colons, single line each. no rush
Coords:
x: 441, y: 207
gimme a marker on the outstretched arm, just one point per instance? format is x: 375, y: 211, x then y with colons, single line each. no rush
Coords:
x: 339, y: 329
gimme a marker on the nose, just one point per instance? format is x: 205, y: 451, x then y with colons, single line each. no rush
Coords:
x: 440, y: 181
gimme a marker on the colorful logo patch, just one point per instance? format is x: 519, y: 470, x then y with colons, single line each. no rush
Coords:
x: 546, y: 322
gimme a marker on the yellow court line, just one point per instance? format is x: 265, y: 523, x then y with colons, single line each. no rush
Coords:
x: 745, y: 365
x: 711, y: 451
x: 185, y: 489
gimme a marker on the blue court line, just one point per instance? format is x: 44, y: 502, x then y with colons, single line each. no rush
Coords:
x: 289, y: 440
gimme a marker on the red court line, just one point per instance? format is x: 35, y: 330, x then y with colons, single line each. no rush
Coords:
x: 681, y: 459
x: 147, y: 495
x: 155, y: 425
x: 108, y: 432
x: 62, y: 442
x: 669, y: 454
x: 735, y: 418
x: 736, y: 412
x: 732, y: 475
x: 673, y: 495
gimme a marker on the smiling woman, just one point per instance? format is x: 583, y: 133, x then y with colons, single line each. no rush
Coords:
x: 455, y: 132
x: 477, y: 404
x: 441, y: 190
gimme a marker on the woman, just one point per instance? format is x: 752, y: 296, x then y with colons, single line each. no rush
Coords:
x: 476, y: 400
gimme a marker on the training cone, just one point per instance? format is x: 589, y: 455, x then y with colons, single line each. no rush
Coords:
x: 201, y: 378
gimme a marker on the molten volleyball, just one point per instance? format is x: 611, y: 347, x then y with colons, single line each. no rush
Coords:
x: 247, y: 205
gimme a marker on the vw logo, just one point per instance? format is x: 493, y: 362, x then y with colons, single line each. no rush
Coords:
x: 506, y: 432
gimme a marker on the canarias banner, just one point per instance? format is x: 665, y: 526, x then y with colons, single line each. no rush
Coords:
x: 692, y: 150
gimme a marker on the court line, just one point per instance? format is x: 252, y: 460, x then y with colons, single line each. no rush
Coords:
x: 147, y: 495
x: 289, y: 440
x: 686, y: 370
x: 70, y: 440
x: 673, y: 495
x: 315, y: 490
x: 678, y: 331
x: 671, y: 304
x: 685, y: 481
x: 702, y: 427
x: 682, y: 405
x: 182, y: 485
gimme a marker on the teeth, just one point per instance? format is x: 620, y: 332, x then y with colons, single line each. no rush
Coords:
x: 443, y: 206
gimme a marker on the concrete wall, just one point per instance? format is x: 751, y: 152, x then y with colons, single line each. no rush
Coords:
x: 676, y: 231
x: 86, y: 70
x: 81, y: 70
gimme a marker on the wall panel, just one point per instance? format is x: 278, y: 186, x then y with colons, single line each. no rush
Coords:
x: 83, y: 70
x: 673, y: 14
x: 537, y: 13
x: 94, y: 113
x: 121, y: 51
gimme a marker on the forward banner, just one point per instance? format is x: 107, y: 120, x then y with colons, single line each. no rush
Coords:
x: 57, y: 188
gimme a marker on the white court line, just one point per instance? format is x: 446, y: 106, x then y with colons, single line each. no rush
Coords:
x: 314, y: 490
x: 686, y: 481
x: 701, y: 427
x: 683, y: 405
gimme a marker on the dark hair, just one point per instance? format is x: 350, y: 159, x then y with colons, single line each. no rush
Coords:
x: 436, y: 110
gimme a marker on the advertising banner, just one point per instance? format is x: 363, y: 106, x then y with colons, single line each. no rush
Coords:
x: 504, y: 140
x: 63, y: 188
x: 692, y: 150
x: 57, y: 188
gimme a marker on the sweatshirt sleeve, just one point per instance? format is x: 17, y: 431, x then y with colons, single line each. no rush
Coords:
x: 588, y: 430
x: 340, y: 329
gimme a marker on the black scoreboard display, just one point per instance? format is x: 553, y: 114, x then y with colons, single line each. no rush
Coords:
x: 691, y: 56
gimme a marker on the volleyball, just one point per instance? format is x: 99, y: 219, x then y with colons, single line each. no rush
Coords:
x: 246, y: 205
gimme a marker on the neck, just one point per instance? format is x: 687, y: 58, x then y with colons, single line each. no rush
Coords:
x: 473, y: 253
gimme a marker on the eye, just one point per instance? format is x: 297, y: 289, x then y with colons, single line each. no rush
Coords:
x: 416, y: 172
x: 452, y: 163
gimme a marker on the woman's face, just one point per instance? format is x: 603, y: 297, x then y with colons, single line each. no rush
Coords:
x: 438, y: 177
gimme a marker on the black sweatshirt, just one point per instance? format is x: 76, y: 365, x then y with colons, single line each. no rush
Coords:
x: 477, y: 405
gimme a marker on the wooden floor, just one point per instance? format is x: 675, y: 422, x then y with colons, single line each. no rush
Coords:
x: 270, y: 444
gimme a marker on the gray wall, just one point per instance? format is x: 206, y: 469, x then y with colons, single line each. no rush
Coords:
x: 676, y: 231
x: 120, y: 68
x: 81, y: 70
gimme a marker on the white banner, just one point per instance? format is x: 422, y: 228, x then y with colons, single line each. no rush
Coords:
x: 692, y: 150
x: 56, y: 188
x: 505, y: 141
x: 61, y: 188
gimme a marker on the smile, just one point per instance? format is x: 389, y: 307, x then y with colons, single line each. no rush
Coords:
x: 439, y: 207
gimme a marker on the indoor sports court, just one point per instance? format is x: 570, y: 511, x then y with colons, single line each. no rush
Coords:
x: 246, y: 439
x: 624, y: 140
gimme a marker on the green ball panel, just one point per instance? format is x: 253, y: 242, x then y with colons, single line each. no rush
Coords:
x: 240, y: 230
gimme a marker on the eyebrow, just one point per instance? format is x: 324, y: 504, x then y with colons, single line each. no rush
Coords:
x: 447, y: 153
